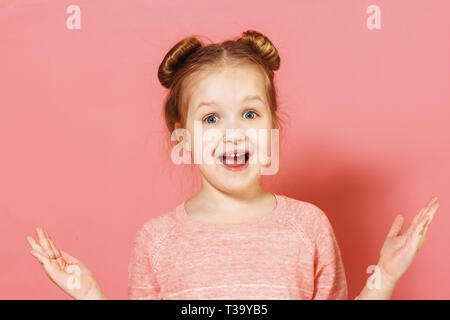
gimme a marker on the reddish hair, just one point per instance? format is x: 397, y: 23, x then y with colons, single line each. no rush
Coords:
x: 190, y: 55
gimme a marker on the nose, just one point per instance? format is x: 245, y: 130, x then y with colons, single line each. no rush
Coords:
x: 234, y: 132
x: 234, y: 138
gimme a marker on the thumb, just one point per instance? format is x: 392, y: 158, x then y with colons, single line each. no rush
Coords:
x: 68, y: 257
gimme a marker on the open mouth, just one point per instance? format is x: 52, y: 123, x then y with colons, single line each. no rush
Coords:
x: 234, y: 161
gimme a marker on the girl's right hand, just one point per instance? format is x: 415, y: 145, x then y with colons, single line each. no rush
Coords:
x: 67, y: 272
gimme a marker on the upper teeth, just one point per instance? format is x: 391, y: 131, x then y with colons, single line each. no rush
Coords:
x: 232, y: 154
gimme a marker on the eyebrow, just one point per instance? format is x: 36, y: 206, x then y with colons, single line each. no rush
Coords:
x: 247, y: 98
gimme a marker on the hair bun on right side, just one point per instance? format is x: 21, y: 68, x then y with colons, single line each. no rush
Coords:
x: 262, y: 46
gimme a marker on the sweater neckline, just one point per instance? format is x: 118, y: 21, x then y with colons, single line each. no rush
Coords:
x: 182, y: 215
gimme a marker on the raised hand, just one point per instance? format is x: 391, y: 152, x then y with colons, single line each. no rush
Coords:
x: 399, y: 250
x: 66, y: 271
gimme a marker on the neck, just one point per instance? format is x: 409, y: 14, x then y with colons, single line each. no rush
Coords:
x: 225, y: 201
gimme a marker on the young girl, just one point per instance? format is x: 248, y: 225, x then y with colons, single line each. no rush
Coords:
x: 233, y: 239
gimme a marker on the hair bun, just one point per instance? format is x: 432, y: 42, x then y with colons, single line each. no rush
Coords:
x: 175, y: 57
x: 262, y: 46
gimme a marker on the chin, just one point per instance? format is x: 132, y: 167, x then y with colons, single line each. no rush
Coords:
x: 235, y: 183
x: 235, y: 188
x: 232, y: 181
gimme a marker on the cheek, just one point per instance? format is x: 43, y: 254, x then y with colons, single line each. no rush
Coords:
x: 203, y: 149
x: 263, y: 139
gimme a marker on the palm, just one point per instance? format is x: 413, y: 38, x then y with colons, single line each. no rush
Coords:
x: 66, y: 271
x: 399, y: 250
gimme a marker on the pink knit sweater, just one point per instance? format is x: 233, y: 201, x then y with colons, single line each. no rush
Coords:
x: 291, y: 253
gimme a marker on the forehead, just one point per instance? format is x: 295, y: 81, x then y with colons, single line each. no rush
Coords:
x: 227, y: 85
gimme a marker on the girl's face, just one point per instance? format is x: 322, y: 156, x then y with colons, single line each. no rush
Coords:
x: 225, y: 104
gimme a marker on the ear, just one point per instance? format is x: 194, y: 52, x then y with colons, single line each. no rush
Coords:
x: 184, y: 143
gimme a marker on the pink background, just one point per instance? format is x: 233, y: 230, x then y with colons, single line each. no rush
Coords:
x: 84, y: 148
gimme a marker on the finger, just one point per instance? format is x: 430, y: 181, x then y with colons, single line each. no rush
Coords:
x: 58, y: 256
x: 430, y: 216
x: 417, y: 235
x: 414, y: 222
x: 430, y: 203
x: 424, y: 230
x: 432, y: 200
x: 52, y: 246
x: 396, y: 226
x: 44, y: 243
x: 423, y: 233
x: 413, y: 240
x: 35, y: 246
x: 434, y: 211
x: 43, y: 260
x: 68, y: 257
x: 418, y: 217
x: 418, y: 228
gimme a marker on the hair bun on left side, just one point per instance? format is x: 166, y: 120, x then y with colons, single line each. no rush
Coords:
x: 175, y: 57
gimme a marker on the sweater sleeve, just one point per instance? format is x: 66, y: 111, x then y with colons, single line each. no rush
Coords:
x: 329, y: 276
x: 142, y: 282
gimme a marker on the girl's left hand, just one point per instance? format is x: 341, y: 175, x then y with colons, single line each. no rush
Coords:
x: 399, y: 250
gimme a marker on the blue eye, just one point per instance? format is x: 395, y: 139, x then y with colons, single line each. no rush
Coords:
x: 251, y: 112
x: 209, y: 117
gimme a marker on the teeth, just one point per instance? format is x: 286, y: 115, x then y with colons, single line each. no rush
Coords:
x: 237, y: 154
x: 231, y: 158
